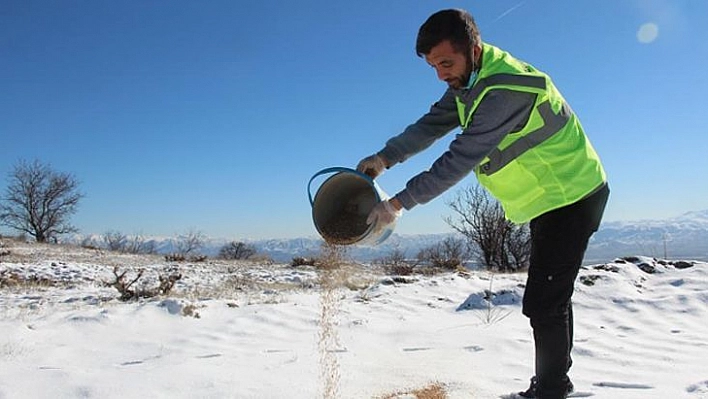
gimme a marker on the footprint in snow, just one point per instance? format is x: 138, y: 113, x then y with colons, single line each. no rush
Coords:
x: 210, y: 356
x: 132, y: 363
x: 416, y: 349
x: 622, y: 385
x: 473, y: 348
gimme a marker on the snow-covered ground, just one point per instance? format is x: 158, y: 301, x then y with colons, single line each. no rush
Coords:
x: 237, y: 329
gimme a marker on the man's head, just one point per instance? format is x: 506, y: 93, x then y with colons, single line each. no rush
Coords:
x: 450, y: 42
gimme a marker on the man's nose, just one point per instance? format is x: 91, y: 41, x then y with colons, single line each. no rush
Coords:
x: 441, y: 74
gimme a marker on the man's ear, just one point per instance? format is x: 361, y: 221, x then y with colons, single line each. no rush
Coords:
x: 477, y: 53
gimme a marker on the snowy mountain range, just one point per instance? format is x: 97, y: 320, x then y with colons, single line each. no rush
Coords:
x: 685, y: 236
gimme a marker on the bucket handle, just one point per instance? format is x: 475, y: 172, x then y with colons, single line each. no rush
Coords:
x: 333, y: 170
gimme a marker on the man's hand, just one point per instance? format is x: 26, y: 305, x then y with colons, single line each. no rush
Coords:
x: 373, y: 165
x: 384, y: 214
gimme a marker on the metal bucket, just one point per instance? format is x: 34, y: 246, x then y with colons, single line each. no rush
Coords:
x: 342, y: 204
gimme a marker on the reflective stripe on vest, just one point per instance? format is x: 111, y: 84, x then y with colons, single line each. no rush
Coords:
x: 552, y: 123
x: 536, y: 82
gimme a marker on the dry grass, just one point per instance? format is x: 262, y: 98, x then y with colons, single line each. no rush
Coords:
x: 435, y: 390
x: 33, y: 252
x: 14, y: 280
x: 248, y: 289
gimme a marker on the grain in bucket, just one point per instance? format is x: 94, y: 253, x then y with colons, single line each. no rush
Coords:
x: 342, y: 204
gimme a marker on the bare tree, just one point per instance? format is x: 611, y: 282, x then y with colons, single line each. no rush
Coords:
x: 495, y: 241
x: 89, y: 242
x: 138, y: 244
x: 39, y: 201
x: 115, y: 240
x: 237, y: 250
x: 190, y: 243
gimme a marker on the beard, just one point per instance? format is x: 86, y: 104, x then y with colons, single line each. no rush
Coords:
x: 461, y: 81
x: 458, y: 82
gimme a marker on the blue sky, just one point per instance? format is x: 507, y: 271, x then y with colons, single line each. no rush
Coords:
x: 213, y: 116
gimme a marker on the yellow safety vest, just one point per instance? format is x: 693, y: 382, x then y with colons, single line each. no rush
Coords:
x: 547, y: 164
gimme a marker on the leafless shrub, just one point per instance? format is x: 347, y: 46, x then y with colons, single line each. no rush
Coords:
x: 175, y: 258
x: 135, y: 244
x: 123, y: 286
x: 189, y: 243
x: 114, y: 240
x: 167, y: 283
x: 497, y: 243
x: 183, y: 258
x: 447, y: 254
x: 300, y: 261
x: 138, y: 244
x: 237, y: 250
x: 399, y: 269
x: 395, y: 263
x: 127, y: 292
x: 90, y: 243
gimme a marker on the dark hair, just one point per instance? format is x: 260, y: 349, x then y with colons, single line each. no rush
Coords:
x: 454, y: 25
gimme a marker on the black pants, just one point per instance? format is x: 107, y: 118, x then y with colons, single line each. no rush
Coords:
x: 558, y: 242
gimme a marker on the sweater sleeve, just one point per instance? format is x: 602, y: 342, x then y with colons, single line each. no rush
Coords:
x: 500, y: 112
x: 439, y: 121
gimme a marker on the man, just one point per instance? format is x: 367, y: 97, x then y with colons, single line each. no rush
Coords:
x: 528, y: 149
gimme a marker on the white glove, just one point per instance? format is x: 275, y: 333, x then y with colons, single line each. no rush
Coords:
x: 373, y: 165
x: 383, y: 214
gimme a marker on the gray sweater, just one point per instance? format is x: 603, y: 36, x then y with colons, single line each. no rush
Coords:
x: 500, y: 112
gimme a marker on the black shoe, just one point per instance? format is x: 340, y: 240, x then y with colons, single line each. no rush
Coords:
x: 531, y: 392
